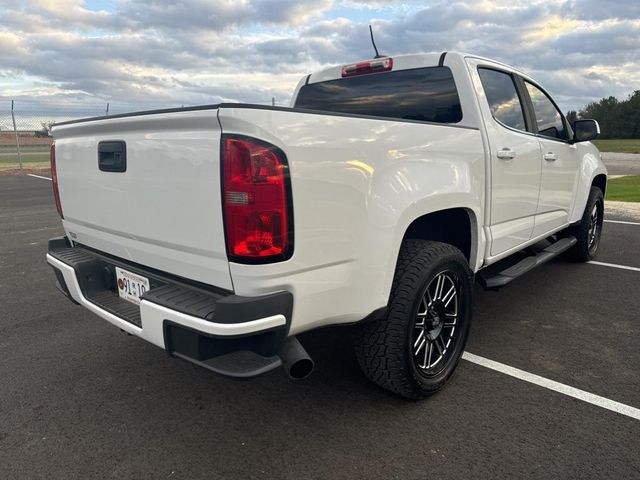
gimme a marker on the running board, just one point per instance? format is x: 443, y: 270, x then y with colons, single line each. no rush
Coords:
x: 499, y: 279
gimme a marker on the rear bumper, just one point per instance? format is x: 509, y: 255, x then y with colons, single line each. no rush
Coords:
x: 225, y: 333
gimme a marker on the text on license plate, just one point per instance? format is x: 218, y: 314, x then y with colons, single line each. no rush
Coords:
x: 131, y: 286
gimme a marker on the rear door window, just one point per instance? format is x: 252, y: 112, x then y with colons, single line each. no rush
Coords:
x: 423, y: 94
x: 503, y: 98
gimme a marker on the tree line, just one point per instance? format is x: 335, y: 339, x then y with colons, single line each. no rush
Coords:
x: 617, y: 118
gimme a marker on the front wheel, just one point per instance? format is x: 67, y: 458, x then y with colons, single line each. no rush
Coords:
x: 589, y: 230
x: 415, y: 349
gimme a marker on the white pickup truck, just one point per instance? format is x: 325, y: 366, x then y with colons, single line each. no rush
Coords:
x: 221, y: 232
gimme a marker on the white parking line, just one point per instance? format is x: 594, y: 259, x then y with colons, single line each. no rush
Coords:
x: 38, y: 176
x: 621, y: 222
x: 615, y: 265
x: 555, y: 386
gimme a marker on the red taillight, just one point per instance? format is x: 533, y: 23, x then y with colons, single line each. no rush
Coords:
x: 54, y: 180
x: 257, y: 212
x: 370, y: 66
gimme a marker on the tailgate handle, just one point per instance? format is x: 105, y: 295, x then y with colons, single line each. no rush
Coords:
x: 112, y: 156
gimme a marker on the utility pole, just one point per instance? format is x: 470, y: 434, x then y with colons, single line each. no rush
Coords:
x: 106, y: 114
x: 15, y: 130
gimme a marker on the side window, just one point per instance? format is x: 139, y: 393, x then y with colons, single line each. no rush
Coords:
x: 548, y: 118
x: 503, y: 98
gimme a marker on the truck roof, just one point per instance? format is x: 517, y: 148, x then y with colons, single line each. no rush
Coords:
x: 403, y: 62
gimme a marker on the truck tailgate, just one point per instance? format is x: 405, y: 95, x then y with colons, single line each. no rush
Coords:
x: 164, y: 211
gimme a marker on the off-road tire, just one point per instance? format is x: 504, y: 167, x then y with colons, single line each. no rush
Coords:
x: 385, y: 349
x: 586, y: 247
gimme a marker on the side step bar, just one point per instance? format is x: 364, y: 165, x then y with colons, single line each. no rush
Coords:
x: 499, y: 279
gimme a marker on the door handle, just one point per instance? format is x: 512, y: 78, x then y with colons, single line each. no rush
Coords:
x: 550, y: 157
x: 506, y: 154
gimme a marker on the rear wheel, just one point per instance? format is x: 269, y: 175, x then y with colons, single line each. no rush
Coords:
x: 415, y: 349
x: 589, y: 230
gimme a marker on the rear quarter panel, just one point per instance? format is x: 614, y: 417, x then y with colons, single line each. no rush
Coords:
x: 357, y: 185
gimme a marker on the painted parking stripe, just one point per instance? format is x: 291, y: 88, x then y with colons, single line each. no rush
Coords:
x: 621, y: 222
x: 38, y: 176
x: 614, y: 265
x: 591, y: 398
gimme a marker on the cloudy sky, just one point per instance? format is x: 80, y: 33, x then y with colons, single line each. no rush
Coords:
x: 71, y: 57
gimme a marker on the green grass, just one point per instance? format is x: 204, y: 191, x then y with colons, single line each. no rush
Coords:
x: 617, y: 145
x: 26, y: 158
x: 624, y: 189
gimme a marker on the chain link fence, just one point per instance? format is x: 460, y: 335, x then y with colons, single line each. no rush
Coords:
x: 25, y: 130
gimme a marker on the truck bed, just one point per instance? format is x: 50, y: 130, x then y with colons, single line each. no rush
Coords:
x: 351, y: 175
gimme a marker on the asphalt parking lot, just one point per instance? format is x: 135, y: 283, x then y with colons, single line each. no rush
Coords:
x: 80, y: 399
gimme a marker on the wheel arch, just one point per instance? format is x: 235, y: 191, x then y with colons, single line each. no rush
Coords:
x: 591, y: 172
x: 455, y: 226
x: 600, y: 181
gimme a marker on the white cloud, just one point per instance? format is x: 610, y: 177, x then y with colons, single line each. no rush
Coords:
x: 156, y: 53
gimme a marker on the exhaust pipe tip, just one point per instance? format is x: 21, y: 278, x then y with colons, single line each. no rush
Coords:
x: 295, y: 360
x: 301, y: 369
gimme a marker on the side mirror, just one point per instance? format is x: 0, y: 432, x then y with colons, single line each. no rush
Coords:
x: 585, y: 130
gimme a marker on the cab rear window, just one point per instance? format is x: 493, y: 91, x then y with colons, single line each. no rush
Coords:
x: 422, y: 94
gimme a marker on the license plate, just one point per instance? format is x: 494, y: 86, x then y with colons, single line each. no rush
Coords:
x: 131, y: 286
